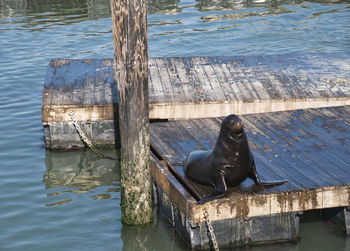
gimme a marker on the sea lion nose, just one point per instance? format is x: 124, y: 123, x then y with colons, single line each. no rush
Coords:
x: 238, y: 126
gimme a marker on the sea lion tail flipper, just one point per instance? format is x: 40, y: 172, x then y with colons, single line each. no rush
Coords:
x: 254, y: 176
x: 220, y: 190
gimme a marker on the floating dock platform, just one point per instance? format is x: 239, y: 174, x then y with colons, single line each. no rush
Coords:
x: 186, y: 88
x: 310, y: 148
x: 281, y: 100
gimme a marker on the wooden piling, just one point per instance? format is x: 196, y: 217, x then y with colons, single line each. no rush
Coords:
x: 129, y: 24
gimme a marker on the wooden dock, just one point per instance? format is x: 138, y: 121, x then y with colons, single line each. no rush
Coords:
x: 309, y: 148
x: 198, y: 87
x: 296, y: 113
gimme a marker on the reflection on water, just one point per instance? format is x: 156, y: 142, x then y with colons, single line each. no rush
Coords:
x: 317, y: 234
x: 156, y: 236
x: 38, y: 15
x: 209, y: 5
x: 163, y: 7
x: 71, y: 11
x: 239, y: 16
x: 90, y: 9
x: 82, y: 170
x: 175, y: 6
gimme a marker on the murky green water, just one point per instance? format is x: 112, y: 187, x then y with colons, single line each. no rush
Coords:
x: 70, y: 201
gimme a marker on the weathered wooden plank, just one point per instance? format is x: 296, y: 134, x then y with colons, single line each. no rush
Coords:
x: 215, y: 82
x: 168, y: 90
x: 238, y: 74
x: 48, y: 84
x: 328, y: 138
x: 59, y: 113
x: 75, y: 78
x: 99, y: 88
x: 59, y: 83
x: 156, y: 86
x: 179, y: 93
x: 316, y: 143
x: 200, y: 91
x: 289, y: 136
x: 222, y: 78
x: 67, y: 76
x: 163, y: 142
x: 261, y: 148
x: 89, y: 89
x: 182, y: 75
x: 278, y: 136
x: 203, y: 81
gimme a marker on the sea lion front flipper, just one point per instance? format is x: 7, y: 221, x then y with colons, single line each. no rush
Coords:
x: 254, y: 176
x: 220, y: 189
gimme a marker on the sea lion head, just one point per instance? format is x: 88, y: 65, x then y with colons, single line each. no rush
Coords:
x: 232, y: 127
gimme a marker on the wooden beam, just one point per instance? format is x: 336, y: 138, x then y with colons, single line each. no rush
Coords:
x: 129, y: 24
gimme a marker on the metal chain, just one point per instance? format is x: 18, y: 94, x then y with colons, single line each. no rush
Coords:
x: 86, y: 140
x: 211, y: 231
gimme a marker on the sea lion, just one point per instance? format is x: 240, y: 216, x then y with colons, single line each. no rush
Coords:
x: 228, y: 164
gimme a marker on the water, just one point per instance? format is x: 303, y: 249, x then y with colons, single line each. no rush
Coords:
x: 60, y: 201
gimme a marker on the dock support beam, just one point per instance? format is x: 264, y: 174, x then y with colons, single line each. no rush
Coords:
x: 129, y: 24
